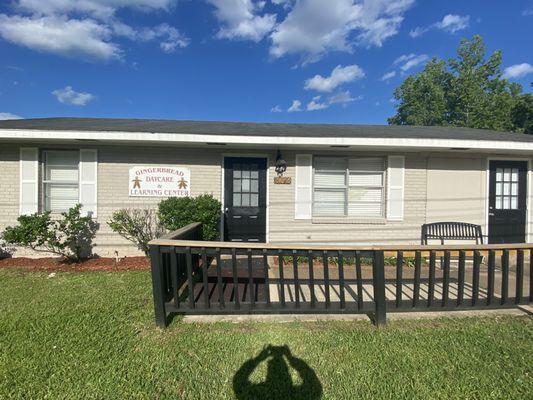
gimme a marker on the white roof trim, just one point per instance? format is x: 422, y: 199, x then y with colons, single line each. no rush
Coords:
x: 378, y: 142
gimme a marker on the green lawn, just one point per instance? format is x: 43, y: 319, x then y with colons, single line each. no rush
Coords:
x: 91, y: 335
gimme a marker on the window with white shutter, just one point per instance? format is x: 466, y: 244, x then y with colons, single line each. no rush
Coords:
x: 29, y: 178
x: 88, y: 181
x: 303, y: 193
x: 60, y: 180
x: 348, y: 187
x: 396, y: 176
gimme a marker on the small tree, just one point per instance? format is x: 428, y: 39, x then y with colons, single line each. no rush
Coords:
x: 177, y: 212
x: 522, y: 114
x: 466, y: 91
x: 139, y: 226
x: 69, y: 237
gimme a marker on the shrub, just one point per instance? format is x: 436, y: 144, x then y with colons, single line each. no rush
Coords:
x: 177, y: 212
x: 69, y: 237
x: 138, y: 226
x: 4, y: 250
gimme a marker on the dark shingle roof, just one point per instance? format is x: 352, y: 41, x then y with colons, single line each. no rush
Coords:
x: 260, y: 129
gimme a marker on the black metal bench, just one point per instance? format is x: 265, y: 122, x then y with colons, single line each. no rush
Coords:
x: 451, y: 231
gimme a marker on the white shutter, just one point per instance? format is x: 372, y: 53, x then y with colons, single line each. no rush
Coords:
x: 88, y: 181
x: 29, y: 178
x: 395, y: 187
x: 303, y: 197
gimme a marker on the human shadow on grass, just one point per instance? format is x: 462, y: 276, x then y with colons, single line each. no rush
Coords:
x: 278, y: 383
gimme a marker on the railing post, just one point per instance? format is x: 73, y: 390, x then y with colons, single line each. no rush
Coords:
x: 378, y: 272
x: 158, y: 286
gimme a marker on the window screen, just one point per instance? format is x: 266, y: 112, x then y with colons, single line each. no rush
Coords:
x: 60, y: 180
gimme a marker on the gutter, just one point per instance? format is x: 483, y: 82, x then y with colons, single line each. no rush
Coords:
x: 286, y: 141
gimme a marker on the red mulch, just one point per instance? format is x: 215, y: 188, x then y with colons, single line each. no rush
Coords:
x: 92, y: 264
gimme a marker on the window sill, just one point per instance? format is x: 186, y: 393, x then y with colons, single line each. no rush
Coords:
x: 345, y: 220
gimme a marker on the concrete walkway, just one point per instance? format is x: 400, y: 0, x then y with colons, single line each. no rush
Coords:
x: 283, y: 318
x: 259, y: 286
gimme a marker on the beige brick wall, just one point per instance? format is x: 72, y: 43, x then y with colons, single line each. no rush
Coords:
x: 9, y: 184
x: 449, y: 180
x: 113, y: 175
x: 354, y: 231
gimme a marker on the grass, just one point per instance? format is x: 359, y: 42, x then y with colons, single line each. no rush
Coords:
x: 91, y: 336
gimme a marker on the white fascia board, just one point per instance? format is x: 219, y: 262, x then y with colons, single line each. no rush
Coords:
x: 186, y: 138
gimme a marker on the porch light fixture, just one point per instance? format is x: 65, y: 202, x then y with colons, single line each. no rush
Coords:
x: 281, y: 164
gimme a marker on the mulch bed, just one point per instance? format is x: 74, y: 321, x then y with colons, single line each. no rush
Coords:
x: 93, y: 264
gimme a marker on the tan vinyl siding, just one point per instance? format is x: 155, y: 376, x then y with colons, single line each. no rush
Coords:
x: 456, y: 189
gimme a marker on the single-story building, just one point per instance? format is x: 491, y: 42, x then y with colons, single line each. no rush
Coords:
x: 346, y: 184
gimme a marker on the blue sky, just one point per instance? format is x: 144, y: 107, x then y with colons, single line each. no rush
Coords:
x: 239, y: 60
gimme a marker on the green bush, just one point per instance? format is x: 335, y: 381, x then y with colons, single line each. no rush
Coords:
x: 4, y: 250
x: 388, y: 261
x: 69, y: 237
x: 177, y: 212
x: 138, y: 226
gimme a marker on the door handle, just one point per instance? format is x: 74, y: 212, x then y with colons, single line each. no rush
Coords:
x: 491, y: 214
x: 226, y: 209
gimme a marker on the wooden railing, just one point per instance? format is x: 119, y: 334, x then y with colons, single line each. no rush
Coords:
x: 198, y: 277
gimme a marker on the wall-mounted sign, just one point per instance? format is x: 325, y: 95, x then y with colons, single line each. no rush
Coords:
x: 282, y: 180
x: 159, y: 182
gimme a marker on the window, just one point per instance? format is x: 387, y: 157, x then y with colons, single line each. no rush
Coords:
x: 506, y: 188
x: 348, y: 187
x: 245, y: 185
x: 60, y: 180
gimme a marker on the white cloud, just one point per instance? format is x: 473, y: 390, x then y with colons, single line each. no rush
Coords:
x: 276, y: 109
x: 86, y: 28
x: 450, y: 23
x: 96, y: 8
x: 6, y: 115
x: 171, y: 37
x: 67, y: 95
x: 388, y: 75
x: 59, y: 35
x: 453, y: 23
x: 295, y: 106
x: 240, y: 21
x: 315, y: 104
x: 527, y: 12
x: 408, y: 61
x: 418, y: 31
x: 338, y: 76
x: 343, y: 98
x: 286, y: 4
x: 315, y: 27
x: 518, y: 70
